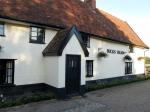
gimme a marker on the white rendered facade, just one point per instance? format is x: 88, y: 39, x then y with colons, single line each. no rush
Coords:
x: 32, y: 67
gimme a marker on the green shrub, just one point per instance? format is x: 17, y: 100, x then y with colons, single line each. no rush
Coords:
x: 28, y: 99
x: 102, y: 54
x: 147, y: 60
x: 115, y: 82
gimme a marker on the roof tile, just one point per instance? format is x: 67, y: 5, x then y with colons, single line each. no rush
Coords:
x: 65, y: 13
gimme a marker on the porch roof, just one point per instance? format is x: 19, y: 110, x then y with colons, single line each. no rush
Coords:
x: 58, y: 43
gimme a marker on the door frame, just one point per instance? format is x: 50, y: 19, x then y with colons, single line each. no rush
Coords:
x: 79, y: 72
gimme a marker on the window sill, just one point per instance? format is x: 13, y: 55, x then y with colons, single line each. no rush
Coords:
x: 131, y: 52
x: 36, y: 42
x: 89, y: 76
x: 7, y: 85
x: 2, y: 35
x: 129, y: 74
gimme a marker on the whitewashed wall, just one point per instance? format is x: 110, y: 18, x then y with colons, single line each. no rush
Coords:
x: 138, y: 65
x: 73, y: 47
x: 51, y: 71
x: 31, y: 67
x: 29, y: 64
x: 113, y: 65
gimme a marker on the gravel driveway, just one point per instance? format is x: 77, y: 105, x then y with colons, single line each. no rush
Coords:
x: 133, y: 97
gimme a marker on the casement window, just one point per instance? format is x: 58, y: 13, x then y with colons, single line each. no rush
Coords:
x: 6, y: 72
x: 89, y: 68
x: 131, y: 49
x: 86, y: 39
x: 128, y: 68
x: 37, y: 35
x: 9, y: 72
x: 1, y: 29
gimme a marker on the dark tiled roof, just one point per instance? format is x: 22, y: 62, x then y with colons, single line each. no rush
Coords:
x: 58, y: 43
x: 53, y: 47
x: 65, y: 13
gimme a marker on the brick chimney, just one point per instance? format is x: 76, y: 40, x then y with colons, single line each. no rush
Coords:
x: 91, y: 3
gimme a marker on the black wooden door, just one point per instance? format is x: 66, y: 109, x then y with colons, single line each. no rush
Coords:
x: 73, y: 73
x: 2, y: 72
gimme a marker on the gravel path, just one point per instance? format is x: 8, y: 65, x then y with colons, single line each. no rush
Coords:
x: 133, y: 97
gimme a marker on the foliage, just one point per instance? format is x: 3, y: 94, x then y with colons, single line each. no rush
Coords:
x: 141, y: 58
x: 116, y: 82
x: 102, y: 54
x: 27, y: 99
x: 147, y: 60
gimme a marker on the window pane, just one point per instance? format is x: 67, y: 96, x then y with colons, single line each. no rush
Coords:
x: 86, y: 39
x: 128, y: 68
x: 9, y: 65
x: 1, y: 26
x: 34, y: 34
x: 9, y: 81
x: 37, y: 35
x: 41, y: 35
x: 1, y: 29
x: 40, y: 32
x: 9, y: 72
x: 34, y: 38
x: 89, y: 68
x: 34, y: 29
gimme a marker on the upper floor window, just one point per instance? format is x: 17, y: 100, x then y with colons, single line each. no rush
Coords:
x: 37, y: 35
x: 1, y: 29
x: 89, y: 68
x: 86, y: 39
x: 131, y: 49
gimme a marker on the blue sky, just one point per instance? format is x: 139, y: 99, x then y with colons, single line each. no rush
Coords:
x: 136, y: 13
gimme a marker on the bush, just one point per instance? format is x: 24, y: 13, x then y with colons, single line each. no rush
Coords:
x: 115, y: 82
x: 147, y: 60
x: 102, y: 54
x: 28, y: 99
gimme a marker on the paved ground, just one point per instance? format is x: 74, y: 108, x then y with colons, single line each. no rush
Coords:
x: 133, y: 97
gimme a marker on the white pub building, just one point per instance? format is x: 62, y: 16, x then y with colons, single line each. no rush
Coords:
x: 63, y: 45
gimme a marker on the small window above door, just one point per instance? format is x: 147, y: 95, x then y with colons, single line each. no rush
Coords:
x: 86, y: 39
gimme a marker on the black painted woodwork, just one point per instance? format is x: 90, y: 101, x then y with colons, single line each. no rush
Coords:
x: 73, y: 74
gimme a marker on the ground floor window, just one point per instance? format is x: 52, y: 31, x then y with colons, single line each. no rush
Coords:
x: 89, y: 68
x: 128, y: 67
x: 6, y: 72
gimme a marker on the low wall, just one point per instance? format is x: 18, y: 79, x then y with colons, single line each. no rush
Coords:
x: 103, y: 83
